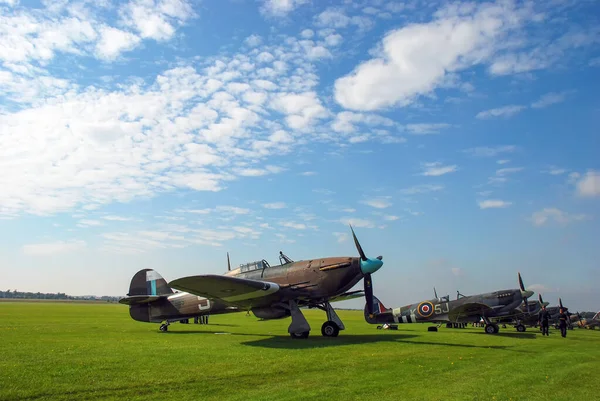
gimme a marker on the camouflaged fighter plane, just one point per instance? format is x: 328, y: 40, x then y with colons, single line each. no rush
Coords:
x: 151, y: 300
x: 589, y: 323
x: 465, y: 309
x: 527, y: 314
x: 275, y: 292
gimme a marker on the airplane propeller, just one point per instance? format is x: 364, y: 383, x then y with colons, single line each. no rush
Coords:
x: 367, y: 267
x: 524, y: 293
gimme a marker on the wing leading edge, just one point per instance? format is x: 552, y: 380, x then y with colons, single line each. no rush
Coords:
x: 230, y: 290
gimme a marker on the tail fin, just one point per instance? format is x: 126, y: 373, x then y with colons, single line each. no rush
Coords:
x: 148, y: 282
x: 379, y: 313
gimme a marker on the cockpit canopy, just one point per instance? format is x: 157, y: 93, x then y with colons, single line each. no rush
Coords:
x: 258, y: 265
x: 263, y: 264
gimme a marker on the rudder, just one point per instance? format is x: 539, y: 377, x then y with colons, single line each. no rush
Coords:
x: 148, y: 282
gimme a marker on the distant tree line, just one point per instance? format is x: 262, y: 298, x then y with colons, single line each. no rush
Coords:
x: 14, y: 294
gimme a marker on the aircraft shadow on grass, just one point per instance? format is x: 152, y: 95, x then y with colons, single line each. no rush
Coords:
x: 527, y: 336
x: 319, y: 342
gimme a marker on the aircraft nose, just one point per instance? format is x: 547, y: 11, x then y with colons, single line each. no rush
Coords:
x: 370, y: 265
x: 527, y: 294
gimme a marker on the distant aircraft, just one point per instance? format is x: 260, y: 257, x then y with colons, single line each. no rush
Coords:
x: 490, y: 307
x: 591, y: 323
x: 275, y: 292
x: 151, y: 300
x: 526, y: 314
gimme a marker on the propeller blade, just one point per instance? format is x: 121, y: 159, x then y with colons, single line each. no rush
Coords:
x: 435, y: 293
x: 369, y: 293
x: 540, y: 299
x: 363, y: 257
x: 521, y: 285
x: 560, y: 303
x: 228, y: 263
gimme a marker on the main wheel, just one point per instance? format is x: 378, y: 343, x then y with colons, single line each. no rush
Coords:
x: 330, y: 329
x: 303, y: 334
x: 491, y: 329
x: 520, y: 328
x: 164, y: 327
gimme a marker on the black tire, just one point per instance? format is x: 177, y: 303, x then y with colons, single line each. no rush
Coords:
x: 304, y: 334
x: 330, y: 329
x: 164, y: 327
x: 520, y: 328
x: 490, y: 329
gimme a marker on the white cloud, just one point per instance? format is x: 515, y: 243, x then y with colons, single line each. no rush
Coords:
x: 52, y: 248
x: 117, y: 218
x: 539, y: 288
x: 487, y: 151
x: 90, y: 223
x: 274, y: 205
x: 356, y: 222
x: 335, y: 17
x: 505, y: 111
x: 308, y: 173
x: 421, y: 189
x: 253, y: 40
x: 114, y: 41
x: 291, y: 224
x: 280, y: 8
x: 436, y: 169
x: 457, y: 271
x: 493, y: 204
x: 391, y: 217
x: 156, y: 19
x: 425, y: 129
x: 544, y: 216
x: 417, y: 58
x: 503, y: 161
x: 341, y: 237
x: 508, y: 170
x: 380, y: 202
x: 589, y: 184
x: 549, y: 99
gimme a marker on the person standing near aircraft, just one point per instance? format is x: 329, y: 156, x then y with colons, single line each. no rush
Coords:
x: 543, y: 320
x: 562, y: 318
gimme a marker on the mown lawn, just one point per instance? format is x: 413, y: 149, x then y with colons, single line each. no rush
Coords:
x: 66, y: 351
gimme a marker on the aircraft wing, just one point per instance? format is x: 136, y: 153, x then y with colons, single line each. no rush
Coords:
x: 140, y: 299
x: 231, y: 290
x: 468, y: 309
x: 347, y: 295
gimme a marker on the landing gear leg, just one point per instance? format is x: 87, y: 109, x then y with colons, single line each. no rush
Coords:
x: 299, y: 328
x: 333, y: 325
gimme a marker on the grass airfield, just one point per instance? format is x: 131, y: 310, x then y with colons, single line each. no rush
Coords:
x: 66, y: 351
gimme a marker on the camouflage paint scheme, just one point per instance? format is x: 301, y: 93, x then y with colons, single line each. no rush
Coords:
x: 591, y: 323
x: 274, y: 292
x: 151, y: 300
x: 491, y: 307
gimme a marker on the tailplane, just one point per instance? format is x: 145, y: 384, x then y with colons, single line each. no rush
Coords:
x: 146, y: 286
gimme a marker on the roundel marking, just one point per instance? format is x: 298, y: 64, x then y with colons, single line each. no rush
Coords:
x: 425, y: 309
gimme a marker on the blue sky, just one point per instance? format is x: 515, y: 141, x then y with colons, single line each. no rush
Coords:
x: 459, y: 139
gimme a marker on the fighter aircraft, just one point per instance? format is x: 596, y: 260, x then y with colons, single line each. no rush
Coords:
x: 489, y: 306
x: 275, y: 292
x: 151, y: 300
x: 591, y: 323
x: 528, y: 315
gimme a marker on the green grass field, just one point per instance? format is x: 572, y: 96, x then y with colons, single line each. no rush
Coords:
x: 75, y: 351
